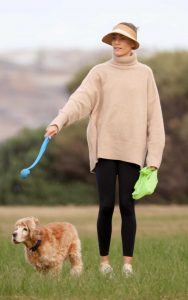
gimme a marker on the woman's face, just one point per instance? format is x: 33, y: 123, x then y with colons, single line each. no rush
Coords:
x: 121, y: 45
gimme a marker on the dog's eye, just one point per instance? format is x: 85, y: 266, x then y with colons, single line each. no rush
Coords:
x: 25, y: 229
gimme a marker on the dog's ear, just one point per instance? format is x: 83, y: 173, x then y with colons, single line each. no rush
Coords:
x: 36, y: 220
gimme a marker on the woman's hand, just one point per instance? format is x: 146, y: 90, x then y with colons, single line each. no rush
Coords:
x: 51, y: 131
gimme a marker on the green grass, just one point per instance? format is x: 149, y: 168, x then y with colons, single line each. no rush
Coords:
x: 161, y: 272
x: 160, y: 264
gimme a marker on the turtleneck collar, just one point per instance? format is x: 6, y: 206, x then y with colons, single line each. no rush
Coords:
x: 124, y: 61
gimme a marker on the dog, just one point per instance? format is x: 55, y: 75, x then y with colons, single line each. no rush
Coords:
x: 47, y: 247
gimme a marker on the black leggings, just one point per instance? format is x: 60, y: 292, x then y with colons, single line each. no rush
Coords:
x: 128, y: 173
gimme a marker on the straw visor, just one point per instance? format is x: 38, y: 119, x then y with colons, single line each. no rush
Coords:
x: 124, y: 30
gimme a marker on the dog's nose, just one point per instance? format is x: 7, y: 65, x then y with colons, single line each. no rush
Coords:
x: 14, y: 234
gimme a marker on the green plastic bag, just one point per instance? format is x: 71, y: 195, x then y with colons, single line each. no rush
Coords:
x: 146, y: 183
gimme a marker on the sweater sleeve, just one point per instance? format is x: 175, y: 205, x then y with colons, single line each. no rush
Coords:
x: 81, y: 103
x: 155, y: 125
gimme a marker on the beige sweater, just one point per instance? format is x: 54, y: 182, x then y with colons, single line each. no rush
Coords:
x: 126, y: 123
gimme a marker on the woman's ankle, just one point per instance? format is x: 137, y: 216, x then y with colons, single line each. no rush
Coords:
x: 127, y: 260
x: 104, y: 259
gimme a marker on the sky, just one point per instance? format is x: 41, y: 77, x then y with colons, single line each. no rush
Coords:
x: 81, y: 24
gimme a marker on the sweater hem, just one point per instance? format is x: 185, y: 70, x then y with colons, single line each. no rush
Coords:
x: 134, y: 161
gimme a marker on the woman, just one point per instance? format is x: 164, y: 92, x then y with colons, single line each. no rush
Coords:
x: 125, y: 131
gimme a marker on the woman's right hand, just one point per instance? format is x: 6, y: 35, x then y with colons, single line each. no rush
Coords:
x: 51, y: 131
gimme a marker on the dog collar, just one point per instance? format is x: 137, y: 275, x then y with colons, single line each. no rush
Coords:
x: 34, y: 248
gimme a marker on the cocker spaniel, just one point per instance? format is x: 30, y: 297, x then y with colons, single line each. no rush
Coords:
x: 47, y: 247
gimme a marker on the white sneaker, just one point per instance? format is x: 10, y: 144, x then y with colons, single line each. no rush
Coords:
x: 105, y: 268
x: 127, y: 270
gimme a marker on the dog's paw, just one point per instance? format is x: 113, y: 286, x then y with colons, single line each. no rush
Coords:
x: 76, y: 271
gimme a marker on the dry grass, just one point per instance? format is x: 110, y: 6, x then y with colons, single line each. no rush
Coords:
x: 152, y: 220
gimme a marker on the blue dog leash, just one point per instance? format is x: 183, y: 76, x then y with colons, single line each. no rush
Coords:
x: 25, y: 172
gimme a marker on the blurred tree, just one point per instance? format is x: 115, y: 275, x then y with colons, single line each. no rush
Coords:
x: 59, y: 178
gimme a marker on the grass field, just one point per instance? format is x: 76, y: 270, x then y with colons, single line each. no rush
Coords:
x: 160, y: 257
